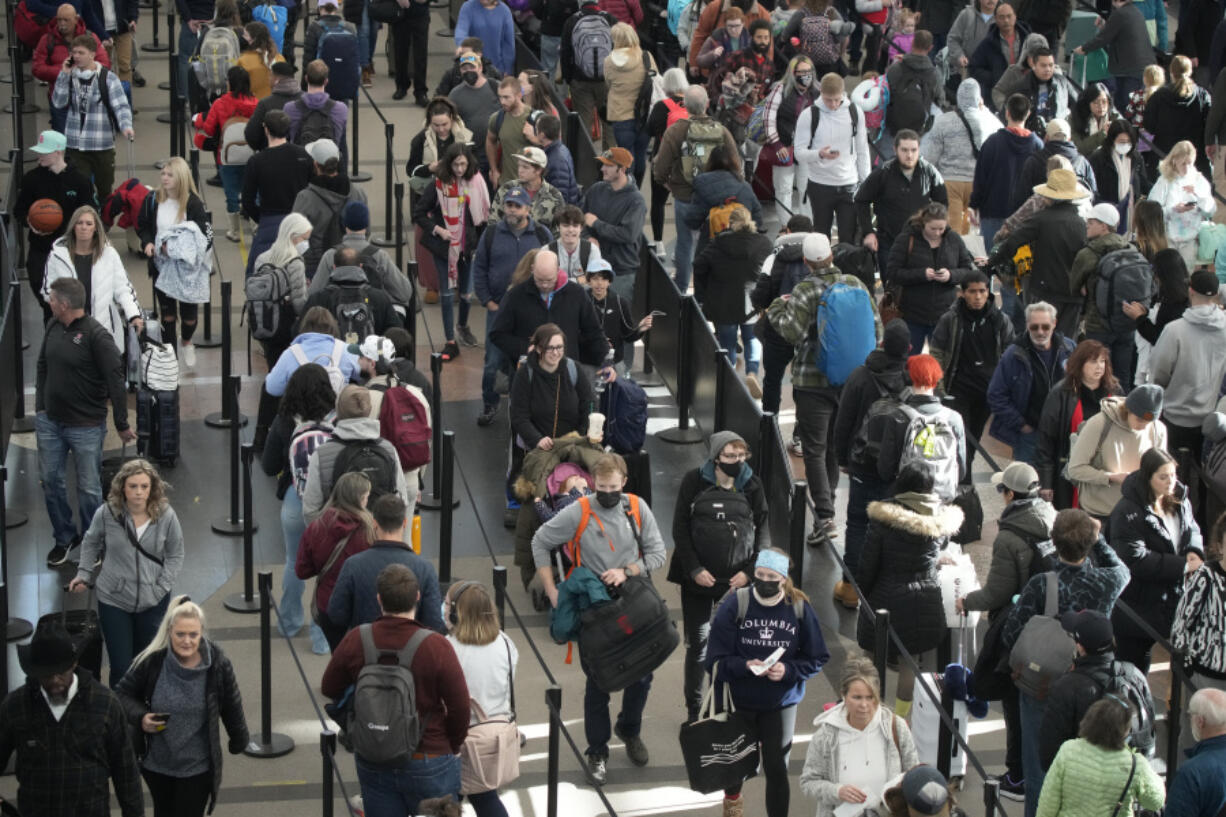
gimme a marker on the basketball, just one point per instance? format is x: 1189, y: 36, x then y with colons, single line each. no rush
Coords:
x: 45, y: 216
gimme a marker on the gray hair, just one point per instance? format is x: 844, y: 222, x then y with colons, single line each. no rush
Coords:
x: 1041, y: 306
x: 68, y: 291
x: 675, y: 81
x: 696, y: 100
x: 1210, y: 705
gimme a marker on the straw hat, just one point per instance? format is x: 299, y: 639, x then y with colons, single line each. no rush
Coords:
x: 1062, y: 185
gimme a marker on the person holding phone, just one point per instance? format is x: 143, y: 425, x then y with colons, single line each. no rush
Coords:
x: 178, y: 689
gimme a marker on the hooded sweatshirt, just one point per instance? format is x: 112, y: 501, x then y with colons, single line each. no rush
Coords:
x: 1107, y: 445
x: 321, y: 202
x: 1023, y: 523
x: 880, y: 375
x: 911, y: 70
x: 1000, y: 163
x: 949, y: 144
x: 1016, y: 77
x: 320, y: 476
x: 1189, y: 361
x: 835, y: 130
x: 886, y: 744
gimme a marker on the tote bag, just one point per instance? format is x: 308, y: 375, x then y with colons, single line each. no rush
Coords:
x: 489, y: 757
x: 720, y: 748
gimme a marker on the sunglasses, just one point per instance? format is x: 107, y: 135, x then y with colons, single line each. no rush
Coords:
x: 1040, y: 327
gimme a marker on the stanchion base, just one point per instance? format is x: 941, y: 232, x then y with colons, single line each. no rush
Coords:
x: 23, y: 425
x: 15, y: 519
x: 430, y: 502
x: 238, y: 603
x: 224, y: 527
x: 216, y: 420
x: 360, y: 176
x: 680, y: 436
x: 206, y: 342
x: 29, y: 107
x: 277, y: 746
x: 645, y: 380
x: 384, y: 241
x: 163, y: 86
x: 154, y: 48
x: 18, y: 628
x: 164, y: 118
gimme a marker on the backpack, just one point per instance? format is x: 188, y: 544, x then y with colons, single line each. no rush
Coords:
x: 367, y: 457
x: 815, y: 116
x: 404, y: 421
x: 352, y: 310
x: 385, y: 727
x: 650, y: 92
x: 585, y: 251
x: 571, y: 555
x: 722, y: 530
x: 702, y: 136
x: 676, y: 112
x: 104, y: 94
x: 755, y: 128
x: 591, y: 41
x: 793, y: 273
x: 331, y: 363
x: 1043, y: 558
x: 314, y: 123
x: 338, y: 48
x: 624, y: 405
x: 866, y: 445
x: 216, y: 53
x: 719, y: 217
x: 1132, y: 687
x: 1044, y: 650
x: 366, y: 260
x: 931, y: 445
x: 908, y: 106
x: 275, y: 17
x: 269, y: 302
x: 234, y: 149
x: 845, y: 331
x: 816, y: 41
x: 305, y: 439
x: 857, y: 260
x: 1123, y: 275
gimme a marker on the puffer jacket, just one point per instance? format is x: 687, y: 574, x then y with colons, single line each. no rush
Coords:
x: 1086, y: 780
x: 713, y: 188
x: 52, y: 49
x: 626, y: 11
x: 623, y: 75
x: 1022, y: 523
x: 946, y: 344
x: 1015, y: 378
x: 1084, y: 274
x: 1155, y: 561
x: 113, y: 300
x: 1105, y: 445
x: 924, y: 301
x: 787, y: 269
x: 127, y: 578
x: 1055, y: 427
x: 319, y: 540
x: 820, y: 777
x: 320, y: 476
x: 898, y: 571
x: 880, y: 375
x: 222, y: 700
x: 725, y: 271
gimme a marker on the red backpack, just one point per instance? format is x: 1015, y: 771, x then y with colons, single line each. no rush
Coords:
x: 676, y: 111
x: 404, y: 421
x: 124, y: 204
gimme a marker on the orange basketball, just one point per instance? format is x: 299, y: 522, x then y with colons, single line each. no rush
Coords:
x: 46, y: 215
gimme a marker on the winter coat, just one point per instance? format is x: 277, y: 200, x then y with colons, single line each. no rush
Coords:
x: 581, y: 590
x: 996, y: 173
x: 1200, y: 621
x: 623, y: 76
x: 546, y: 202
x: 894, y: 199
x: 1106, y: 177
x: 223, y: 109
x: 685, y: 561
x: 184, y: 263
x: 967, y: 32
x: 894, y: 435
x: 352, y: 603
x: 127, y: 578
x: 1055, y: 235
x: 1086, y: 780
x: 1170, y: 118
x: 911, y: 70
x: 898, y: 572
x: 1023, y: 523
x: 428, y: 214
x: 318, y: 541
x: 259, y: 71
x: 314, y: 345
x: 1074, y: 692
x: 1199, y: 786
x: 1053, y: 450
x: 1126, y: 39
x: 283, y: 92
x: 113, y: 301
x: 1084, y: 275
x: 667, y: 169
x: 626, y: 11
x: 52, y: 50
x: 560, y: 172
x: 383, y: 314
x: 1183, y: 227
x: 426, y: 149
x: 1034, y: 171
x: 495, y: 259
x: 713, y: 17
x: 1018, y: 373
x: 820, y: 777
x: 222, y: 699
x: 1189, y: 361
x: 321, y: 203
x: 989, y: 60
x: 387, y: 277
x: 720, y: 38
x: 878, y: 376
x: 1060, y: 99
x: 524, y: 309
x: 949, y: 145
x: 713, y: 188
x: 147, y: 221
x: 322, y: 464
x: 924, y: 301
x: 724, y: 273
x: 549, y: 404
x: 787, y: 268
x: 946, y: 343
x: 1155, y: 561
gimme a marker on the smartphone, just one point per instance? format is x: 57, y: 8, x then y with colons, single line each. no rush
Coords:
x: 160, y: 717
x: 655, y: 313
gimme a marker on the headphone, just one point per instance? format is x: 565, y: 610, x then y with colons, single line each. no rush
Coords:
x: 455, y: 600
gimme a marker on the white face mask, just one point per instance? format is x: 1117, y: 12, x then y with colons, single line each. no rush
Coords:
x: 302, y: 247
x: 83, y: 74
x: 445, y: 621
x: 1123, y: 150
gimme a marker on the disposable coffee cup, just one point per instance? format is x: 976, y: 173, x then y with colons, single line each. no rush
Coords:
x: 595, y: 426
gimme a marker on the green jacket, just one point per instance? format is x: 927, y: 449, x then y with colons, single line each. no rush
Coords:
x: 580, y: 591
x: 795, y: 318
x: 1086, y: 781
x: 1084, y: 273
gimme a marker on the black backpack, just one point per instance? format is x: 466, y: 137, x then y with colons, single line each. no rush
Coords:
x: 722, y: 530
x: 866, y: 446
x: 1043, y: 558
x: 1123, y: 275
x: 353, y: 311
x: 1133, y: 688
x: 367, y: 457
x: 314, y: 123
x: 909, y: 105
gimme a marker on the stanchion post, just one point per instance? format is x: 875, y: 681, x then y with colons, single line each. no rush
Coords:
x: 766, y: 433
x: 193, y: 162
x: 991, y: 797
x: 21, y: 423
x: 447, y: 469
x: 399, y: 225
x: 327, y: 748
x: 246, y: 601
x: 222, y: 419
x: 500, y: 594
x: 156, y: 46
x: 356, y: 175
x: 14, y: 628
x: 881, y: 642
x: 171, y: 115
x: 270, y: 743
x: 796, y: 531
x: 388, y: 239
x: 721, y: 386
x: 553, y: 701
x: 433, y: 501
x: 1173, y: 723
x: 232, y: 526
x: 684, y: 433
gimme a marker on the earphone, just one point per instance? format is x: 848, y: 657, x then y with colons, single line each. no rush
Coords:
x: 455, y: 599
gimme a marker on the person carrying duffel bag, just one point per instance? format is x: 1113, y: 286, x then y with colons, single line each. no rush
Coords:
x: 615, y: 536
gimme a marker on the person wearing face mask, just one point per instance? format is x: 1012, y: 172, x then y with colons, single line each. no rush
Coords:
x: 1120, y: 172
x: 752, y: 625
x: 731, y: 38
x: 784, y: 103
x: 715, y: 16
x: 476, y: 101
x: 719, y: 526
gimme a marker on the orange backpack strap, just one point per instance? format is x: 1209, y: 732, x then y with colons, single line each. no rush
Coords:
x: 585, y: 504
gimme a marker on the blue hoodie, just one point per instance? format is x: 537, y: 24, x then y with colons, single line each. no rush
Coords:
x: 1000, y: 165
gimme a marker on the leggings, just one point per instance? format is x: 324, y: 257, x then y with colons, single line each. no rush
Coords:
x: 775, y: 730
x: 167, y: 312
x: 179, y: 796
x: 659, y: 200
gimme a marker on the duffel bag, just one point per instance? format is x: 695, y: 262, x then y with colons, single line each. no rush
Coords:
x: 622, y: 640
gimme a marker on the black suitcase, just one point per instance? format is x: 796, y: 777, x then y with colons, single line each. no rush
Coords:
x: 622, y: 640
x: 157, y: 425
x: 638, y: 479
x: 82, y: 627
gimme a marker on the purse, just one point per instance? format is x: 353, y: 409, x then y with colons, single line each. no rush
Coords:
x: 720, y: 748
x: 489, y: 757
x: 1119, y: 804
x: 336, y: 554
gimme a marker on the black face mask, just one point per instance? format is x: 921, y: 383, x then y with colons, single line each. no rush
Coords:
x: 469, y: 76
x: 732, y: 469
x: 609, y: 499
x: 761, y: 48
x: 766, y: 589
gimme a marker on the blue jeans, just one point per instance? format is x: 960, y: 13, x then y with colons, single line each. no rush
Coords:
x: 726, y: 333
x: 290, y: 611
x: 395, y: 791
x: 127, y: 633
x: 633, y: 138
x: 232, y: 183
x: 188, y: 40
x: 487, y: 804
x: 549, y: 54
x: 1024, y: 450
x: 1122, y: 347
x: 596, y: 725
x: 865, y: 488
x: 1032, y: 711
x: 683, y: 259
x: 988, y: 227
x: 919, y: 336
x: 55, y: 441
x: 1121, y: 89
x: 494, y: 360
x: 446, y: 296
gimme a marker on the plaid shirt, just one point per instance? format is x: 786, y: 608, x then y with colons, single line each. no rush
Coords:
x: 63, y: 767
x: 89, y: 126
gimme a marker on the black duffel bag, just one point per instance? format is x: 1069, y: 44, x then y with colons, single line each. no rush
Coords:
x: 622, y: 640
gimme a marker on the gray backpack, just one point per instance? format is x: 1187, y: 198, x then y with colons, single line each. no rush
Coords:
x: 931, y: 445
x: 1044, y: 651
x: 385, y: 726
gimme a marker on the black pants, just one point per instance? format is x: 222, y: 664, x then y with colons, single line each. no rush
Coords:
x: 332, y: 631
x: 179, y: 796
x: 829, y: 203
x: 815, y: 426
x: 293, y: 13
x: 411, y: 33
x: 696, y: 623
x: 171, y: 312
x: 1178, y: 437
x: 659, y: 200
x: 36, y: 271
x: 975, y: 413
x: 775, y: 359
x: 775, y: 730
x: 1013, y: 733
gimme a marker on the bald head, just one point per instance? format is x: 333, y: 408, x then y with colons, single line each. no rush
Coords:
x: 696, y: 100
x: 1207, y: 710
x: 545, y: 270
x: 66, y: 20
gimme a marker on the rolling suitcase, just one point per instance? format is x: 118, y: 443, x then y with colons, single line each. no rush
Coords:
x: 82, y: 627
x: 157, y: 425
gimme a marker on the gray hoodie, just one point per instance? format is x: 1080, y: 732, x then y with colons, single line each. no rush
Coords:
x: 323, y: 462
x: 128, y: 579
x: 966, y: 33
x: 607, y: 541
x: 620, y: 215
x: 948, y: 145
x: 1016, y: 80
x: 820, y: 777
x: 1189, y: 361
x: 387, y: 277
x: 322, y: 205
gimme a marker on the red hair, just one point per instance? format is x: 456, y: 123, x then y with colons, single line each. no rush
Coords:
x: 924, y: 370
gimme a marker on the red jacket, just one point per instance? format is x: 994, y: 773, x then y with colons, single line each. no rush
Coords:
x: 626, y: 11
x: 321, y: 538
x: 442, y: 694
x: 52, y: 50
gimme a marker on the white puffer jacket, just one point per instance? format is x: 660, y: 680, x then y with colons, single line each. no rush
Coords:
x: 113, y: 299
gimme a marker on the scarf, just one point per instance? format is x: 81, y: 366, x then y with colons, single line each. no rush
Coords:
x: 452, y: 199
x: 922, y: 504
x: 1123, y: 172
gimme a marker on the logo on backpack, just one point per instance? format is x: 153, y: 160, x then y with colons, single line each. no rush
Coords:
x: 930, y: 445
x: 217, y: 53
x: 591, y: 42
x: 846, y: 331
x: 314, y: 123
x: 352, y: 310
x: 702, y: 137
x: 367, y: 457
x: 384, y: 725
x: 404, y: 421
x: 1123, y: 275
x: 269, y: 302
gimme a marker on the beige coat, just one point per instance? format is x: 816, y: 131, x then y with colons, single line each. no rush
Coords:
x: 1091, y: 463
x: 623, y: 72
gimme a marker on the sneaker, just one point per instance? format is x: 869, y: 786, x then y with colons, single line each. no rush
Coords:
x: 466, y: 336
x: 487, y: 415
x: 794, y: 448
x: 450, y: 351
x: 755, y: 388
x: 1012, y: 789
x: 59, y: 553
x: 817, y: 537
x: 845, y: 594
x: 355, y: 803
x: 188, y: 351
x: 368, y: 76
x: 636, y: 750
x: 597, y: 770
x: 832, y: 529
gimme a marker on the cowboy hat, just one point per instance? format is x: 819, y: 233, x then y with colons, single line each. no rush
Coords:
x: 50, y: 652
x: 1062, y: 185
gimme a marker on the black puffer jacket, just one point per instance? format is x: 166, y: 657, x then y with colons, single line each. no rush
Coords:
x: 787, y: 270
x: 1157, y: 563
x: 549, y: 404
x: 1055, y: 235
x: 686, y: 560
x: 898, y: 572
x: 523, y: 310
x: 925, y: 301
x: 1072, y: 695
x: 1055, y: 425
x: 1034, y: 171
x: 1170, y: 118
x: 223, y: 703
x: 1023, y: 522
x: 725, y: 271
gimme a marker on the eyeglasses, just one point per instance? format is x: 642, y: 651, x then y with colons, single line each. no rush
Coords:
x: 555, y: 347
x: 1040, y: 327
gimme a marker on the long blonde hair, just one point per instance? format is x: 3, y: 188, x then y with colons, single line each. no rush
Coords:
x: 183, y: 177
x: 283, y: 250
x: 179, y: 607
x: 740, y: 219
x: 1181, y: 77
x: 1153, y: 79
x: 157, y: 501
x: 70, y: 236
x: 624, y: 36
x: 1181, y: 149
x: 476, y: 619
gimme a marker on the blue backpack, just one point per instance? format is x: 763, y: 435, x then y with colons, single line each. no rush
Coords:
x: 275, y: 17
x: 338, y: 48
x: 845, y: 331
x: 624, y: 404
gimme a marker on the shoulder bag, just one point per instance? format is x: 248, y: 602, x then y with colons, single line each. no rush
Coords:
x: 489, y: 758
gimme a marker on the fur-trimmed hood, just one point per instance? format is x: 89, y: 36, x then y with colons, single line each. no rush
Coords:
x: 945, y: 522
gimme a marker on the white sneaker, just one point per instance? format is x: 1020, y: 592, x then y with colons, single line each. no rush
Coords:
x: 188, y: 351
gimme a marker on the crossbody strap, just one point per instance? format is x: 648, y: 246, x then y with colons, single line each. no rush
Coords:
x: 136, y: 542
x: 336, y: 554
x: 1119, y: 804
x: 506, y: 642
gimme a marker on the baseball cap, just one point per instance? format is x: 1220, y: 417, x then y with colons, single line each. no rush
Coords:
x: 601, y: 267
x: 322, y: 150
x: 49, y: 141
x: 1058, y: 129
x: 1106, y: 213
x: 616, y: 156
x: 1204, y: 282
x: 517, y: 195
x: 1018, y: 477
x: 817, y: 247
x: 374, y: 347
x: 925, y: 789
x: 533, y: 156
x: 1089, y: 628
x: 469, y: 59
